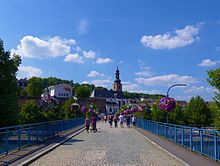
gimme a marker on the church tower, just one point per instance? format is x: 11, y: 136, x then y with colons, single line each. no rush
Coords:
x: 117, y: 86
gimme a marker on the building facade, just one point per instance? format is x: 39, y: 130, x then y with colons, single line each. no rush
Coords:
x: 60, y: 91
x: 114, y: 98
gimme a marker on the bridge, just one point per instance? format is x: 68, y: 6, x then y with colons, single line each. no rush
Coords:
x: 67, y: 143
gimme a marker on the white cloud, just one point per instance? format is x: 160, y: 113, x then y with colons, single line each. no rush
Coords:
x: 103, y: 60
x: 74, y: 58
x: 28, y: 72
x: 180, y: 38
x: 85, y: 82
x: 89, y: 54
x: 200, y: 89
x: 208, y: 63
x: 34, y: 47
x: 95, y: 74
x: 145, y: 70
x: 131, y: 87
x: 165, y: 80
x: 83, y: 27
x: 102, y: 82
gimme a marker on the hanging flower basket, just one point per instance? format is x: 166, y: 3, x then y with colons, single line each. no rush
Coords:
x: 167, y: 104
x: 83, y: 109
x: 74, y: 106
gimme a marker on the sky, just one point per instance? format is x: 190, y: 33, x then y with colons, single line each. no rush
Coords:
x: 155, y: 43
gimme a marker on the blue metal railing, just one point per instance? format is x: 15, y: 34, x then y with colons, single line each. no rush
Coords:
x: 205, y: 142
x: 15, y: 137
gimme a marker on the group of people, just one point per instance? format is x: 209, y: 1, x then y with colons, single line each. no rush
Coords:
x: 121, y: 119
x: 90, y: 124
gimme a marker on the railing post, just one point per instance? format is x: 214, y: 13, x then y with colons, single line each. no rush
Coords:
x: 29, y: 136
x: 175, y: 134
x: 157, y: 129
x: 19, y: 138
x: 201, y: 141
x: 37, y: 134
x: 190, y: 139
x: 165, y: 130
x: 215, y: 146
x: 6, y: 142
x: 182, y: 142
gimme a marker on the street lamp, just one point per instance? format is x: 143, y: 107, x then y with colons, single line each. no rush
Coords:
x: 166, y: 103
x: 174, y: 86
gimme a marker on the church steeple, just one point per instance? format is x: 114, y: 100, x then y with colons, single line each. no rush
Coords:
x: 117, y: 76
x: 117, y: 86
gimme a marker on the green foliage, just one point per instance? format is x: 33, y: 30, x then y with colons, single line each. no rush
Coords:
x: 55, y: 114
x: 157, y: 114
x: 215, y: 114
x: 197, y: 112
x: 23, y: 92
x: 214, y: 80
x: 30, y: 113
x: 8, y: 87
x: 177, y: 116
x: 83, y: 91
x: 140, y: 95
x: 66, y: 108
x: 35, y: 86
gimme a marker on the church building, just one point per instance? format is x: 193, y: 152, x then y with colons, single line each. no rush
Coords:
x: 114, y: 98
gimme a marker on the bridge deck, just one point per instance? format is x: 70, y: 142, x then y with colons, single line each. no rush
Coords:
x: 109, y: 146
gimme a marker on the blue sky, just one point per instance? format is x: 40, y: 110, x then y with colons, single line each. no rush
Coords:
x: 156, y: 43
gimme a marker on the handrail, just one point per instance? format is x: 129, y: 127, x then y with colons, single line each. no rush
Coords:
x: 14, y: 137
x: 203, y: 141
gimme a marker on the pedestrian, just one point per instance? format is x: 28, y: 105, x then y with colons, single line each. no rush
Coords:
x: 116, y: 120
x: 121, y: 119
x: 87, y: 124
x: 105, y: 118
x: 110, y: 120
x: 94, y: 124
x: 134, y: 120
x: 128, y: 121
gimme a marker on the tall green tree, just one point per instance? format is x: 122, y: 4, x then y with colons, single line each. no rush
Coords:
x: 157, y: 114
x: 83, y: 91
x: 30, y: 113
x: 35, y: 86
x: 197, y: 112
x: 214, y: 80
x: 8, y: 87
x: 177, y: 116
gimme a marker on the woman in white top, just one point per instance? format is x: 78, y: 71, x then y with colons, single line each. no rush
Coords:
x: 133, y: 120
x: 121, y: 119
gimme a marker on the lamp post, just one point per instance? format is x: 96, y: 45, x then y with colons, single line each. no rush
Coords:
x: 166, y: 113
x: 174, y: 86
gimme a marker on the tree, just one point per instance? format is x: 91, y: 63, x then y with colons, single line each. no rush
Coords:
x: 214, y: 80
x: 23, y: 92
x: 197, y: 112
x: 35, y: 86
x: 83, y: 91
x: 177, y: 116
x: 157, y: 114
x: 66, y: 109
x: 8, y: 87
x: 30, y: 113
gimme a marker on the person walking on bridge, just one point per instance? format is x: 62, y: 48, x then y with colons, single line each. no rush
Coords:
x: 87, y: 124
x: 121, y: 119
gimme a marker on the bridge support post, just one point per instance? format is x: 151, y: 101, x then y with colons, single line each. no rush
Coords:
x: 215, y: 146
x: 19, y: 138
x: 190, y: 140
x: 201, y: 141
